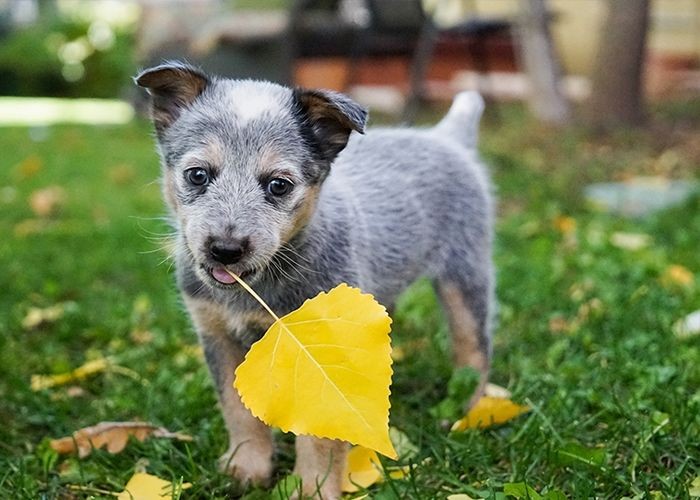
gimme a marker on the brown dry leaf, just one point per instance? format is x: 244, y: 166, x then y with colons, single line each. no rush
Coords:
x: 559, y: 324
x: 47, y: 202
x: 144, y: 486
x: 113, y: 435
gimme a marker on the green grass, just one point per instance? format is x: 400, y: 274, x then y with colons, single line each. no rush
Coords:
x: 584, y: 333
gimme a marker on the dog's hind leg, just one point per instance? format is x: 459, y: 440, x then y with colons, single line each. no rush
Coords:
x: 467, y: 301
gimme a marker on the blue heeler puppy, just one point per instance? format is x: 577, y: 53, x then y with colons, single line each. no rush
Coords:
x: 279, y: 186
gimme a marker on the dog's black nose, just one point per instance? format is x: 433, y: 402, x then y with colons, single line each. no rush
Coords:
x: 228, y: 252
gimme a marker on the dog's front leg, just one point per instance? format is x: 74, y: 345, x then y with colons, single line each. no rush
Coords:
x: 320, y: 464
x: 249, y: 456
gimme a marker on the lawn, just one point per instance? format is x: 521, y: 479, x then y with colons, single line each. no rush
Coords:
x: 585, y: 325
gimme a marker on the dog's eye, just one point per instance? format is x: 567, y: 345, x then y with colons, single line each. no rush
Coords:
x: 279, y: 187
x: 197, y: 176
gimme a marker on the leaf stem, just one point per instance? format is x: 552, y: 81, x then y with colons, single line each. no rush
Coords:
x: 252, y: 292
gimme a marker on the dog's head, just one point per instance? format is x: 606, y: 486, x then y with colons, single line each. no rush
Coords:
x: 243, y: 162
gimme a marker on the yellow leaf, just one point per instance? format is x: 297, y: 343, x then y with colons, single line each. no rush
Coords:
x: 459, y: 496
x: 325, y: 370
x: 677, y: 275
x: 362, y: 469
x: 565, y: 224
x: 40, y: 382
x: 489, y: 411
x: 144, y: 486
x: 113, y: 435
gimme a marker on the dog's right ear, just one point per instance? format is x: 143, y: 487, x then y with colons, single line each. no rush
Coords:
x: 172, y: 86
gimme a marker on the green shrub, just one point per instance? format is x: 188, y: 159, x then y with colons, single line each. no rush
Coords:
x: 31, y: 63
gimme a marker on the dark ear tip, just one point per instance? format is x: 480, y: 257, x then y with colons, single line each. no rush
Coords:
x: 142, y: 78
x: 152, y: 77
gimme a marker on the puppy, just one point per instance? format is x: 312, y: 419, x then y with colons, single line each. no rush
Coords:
x: 281, y: 187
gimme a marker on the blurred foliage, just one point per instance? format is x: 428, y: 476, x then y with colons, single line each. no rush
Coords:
x: 65, y: 58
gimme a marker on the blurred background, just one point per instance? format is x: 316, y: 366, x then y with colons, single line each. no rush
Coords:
x: 389, y: 54
x: 591, y: 134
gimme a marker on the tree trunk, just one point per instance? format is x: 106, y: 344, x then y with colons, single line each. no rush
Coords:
x: 616, y: 91
x: 547, y: 102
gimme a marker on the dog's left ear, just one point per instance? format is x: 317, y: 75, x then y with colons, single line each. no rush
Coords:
x: 331, y: 116
x: 172, y: 86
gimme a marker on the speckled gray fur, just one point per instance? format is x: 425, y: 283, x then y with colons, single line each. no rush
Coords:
x: 394, y: 205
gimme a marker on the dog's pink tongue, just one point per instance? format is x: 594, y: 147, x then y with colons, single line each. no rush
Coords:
x: 222, y: 276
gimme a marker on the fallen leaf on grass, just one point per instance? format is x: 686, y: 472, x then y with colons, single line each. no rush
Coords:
x: 677, y: 275
x: 48, y: 201
x: 324, y: 369
x: 496, y: 391
x: 363, y: 469
x: 459, y: 496
x: 630, y: 241
x: 41, y: 382
x: 694, y: 489
x: 565, y: 224
x: 37, y: 316
x: 489, y: 411
x: 144, y: 486
x: 688, y: 326
x: 113, y: 435
x: 402, y: 444
x: 29, y: 167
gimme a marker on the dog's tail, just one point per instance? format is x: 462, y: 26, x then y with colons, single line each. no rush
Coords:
x: 461, y: 122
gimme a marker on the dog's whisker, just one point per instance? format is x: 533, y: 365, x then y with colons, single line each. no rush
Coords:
x: 280, y: 260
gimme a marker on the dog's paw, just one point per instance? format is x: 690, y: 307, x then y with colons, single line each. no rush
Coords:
x: 247, y: 464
